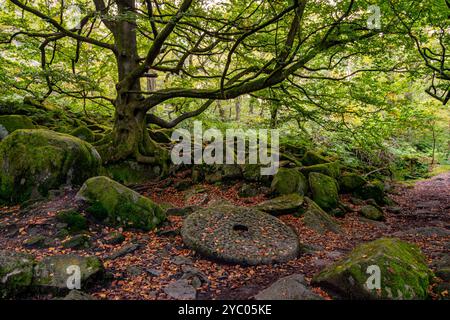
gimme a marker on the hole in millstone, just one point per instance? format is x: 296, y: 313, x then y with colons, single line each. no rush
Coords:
x: 240, y: 228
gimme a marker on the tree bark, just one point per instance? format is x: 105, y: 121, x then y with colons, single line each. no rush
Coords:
x: 238, y: 109
x: 129, y: 137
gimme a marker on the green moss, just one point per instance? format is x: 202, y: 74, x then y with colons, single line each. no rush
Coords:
x: 98, y: 211
x: 372, y: 213
x: 75, y: 221
x: 37, y: 241
x: 115, y: 238
x: 16, y: 273
x: 123, y: 206
x: 84, y: 133
x: 350, y: 182
x: 80, y: 241
x: 324, y: 190
x: 318, y: 220
x: 312, y: 158
x: 331, y: 169
x: 287, y: 181
x: 50, y: 275
x: 37, y: 160
x: 130, y: 172
x: 373, y: 190
x: 285, y: 204
x: 14, y: 122
x: 160, y: 136
x: 403, y: 270
x: 252, y: 173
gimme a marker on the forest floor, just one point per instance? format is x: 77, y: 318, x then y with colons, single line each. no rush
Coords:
x: 421, y: 216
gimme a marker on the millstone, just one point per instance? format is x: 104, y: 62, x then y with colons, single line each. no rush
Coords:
x: 239, y: 235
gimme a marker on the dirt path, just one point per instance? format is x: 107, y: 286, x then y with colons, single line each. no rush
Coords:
x: 427, y: 200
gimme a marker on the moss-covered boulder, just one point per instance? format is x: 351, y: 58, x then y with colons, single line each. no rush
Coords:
x: 350, y: 182
x: 332, y: 169
x: 312, y: 158
x: 289, y: 203
x: 372, y: 213
x: 11, y: 123
x: 84, y: 133
x: 324, y: 190
x: 75, y: 221
x: 317, y: 219
x: 16, y: 273
x: 372, y: 190
x: 288, y: 181
x: 37, y: 160
x: 58, y: 273
x: 404, y: 273
x: 118, y: 205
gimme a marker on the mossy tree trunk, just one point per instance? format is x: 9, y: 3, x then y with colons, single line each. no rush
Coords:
x: 129, y: 137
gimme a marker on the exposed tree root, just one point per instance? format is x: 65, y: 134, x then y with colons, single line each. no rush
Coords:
x: 146, y: 152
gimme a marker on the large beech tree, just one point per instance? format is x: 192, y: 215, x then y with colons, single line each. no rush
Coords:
x: 202, y: 51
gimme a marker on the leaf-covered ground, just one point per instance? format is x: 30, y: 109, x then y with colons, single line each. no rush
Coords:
x: 422, y: 212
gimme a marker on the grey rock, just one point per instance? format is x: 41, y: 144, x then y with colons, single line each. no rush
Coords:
x: 134, y: 271
x: 53, y: 273
x: 318, y: 220
x: 288, y: 288
x: 290, y: 203
x: 16, y: 273
x: 37, y: 241
x: 181, y: 260
x: 153, y: 272
x: 78, y: 295
x: 129, y: 248
x: 181, y: 290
